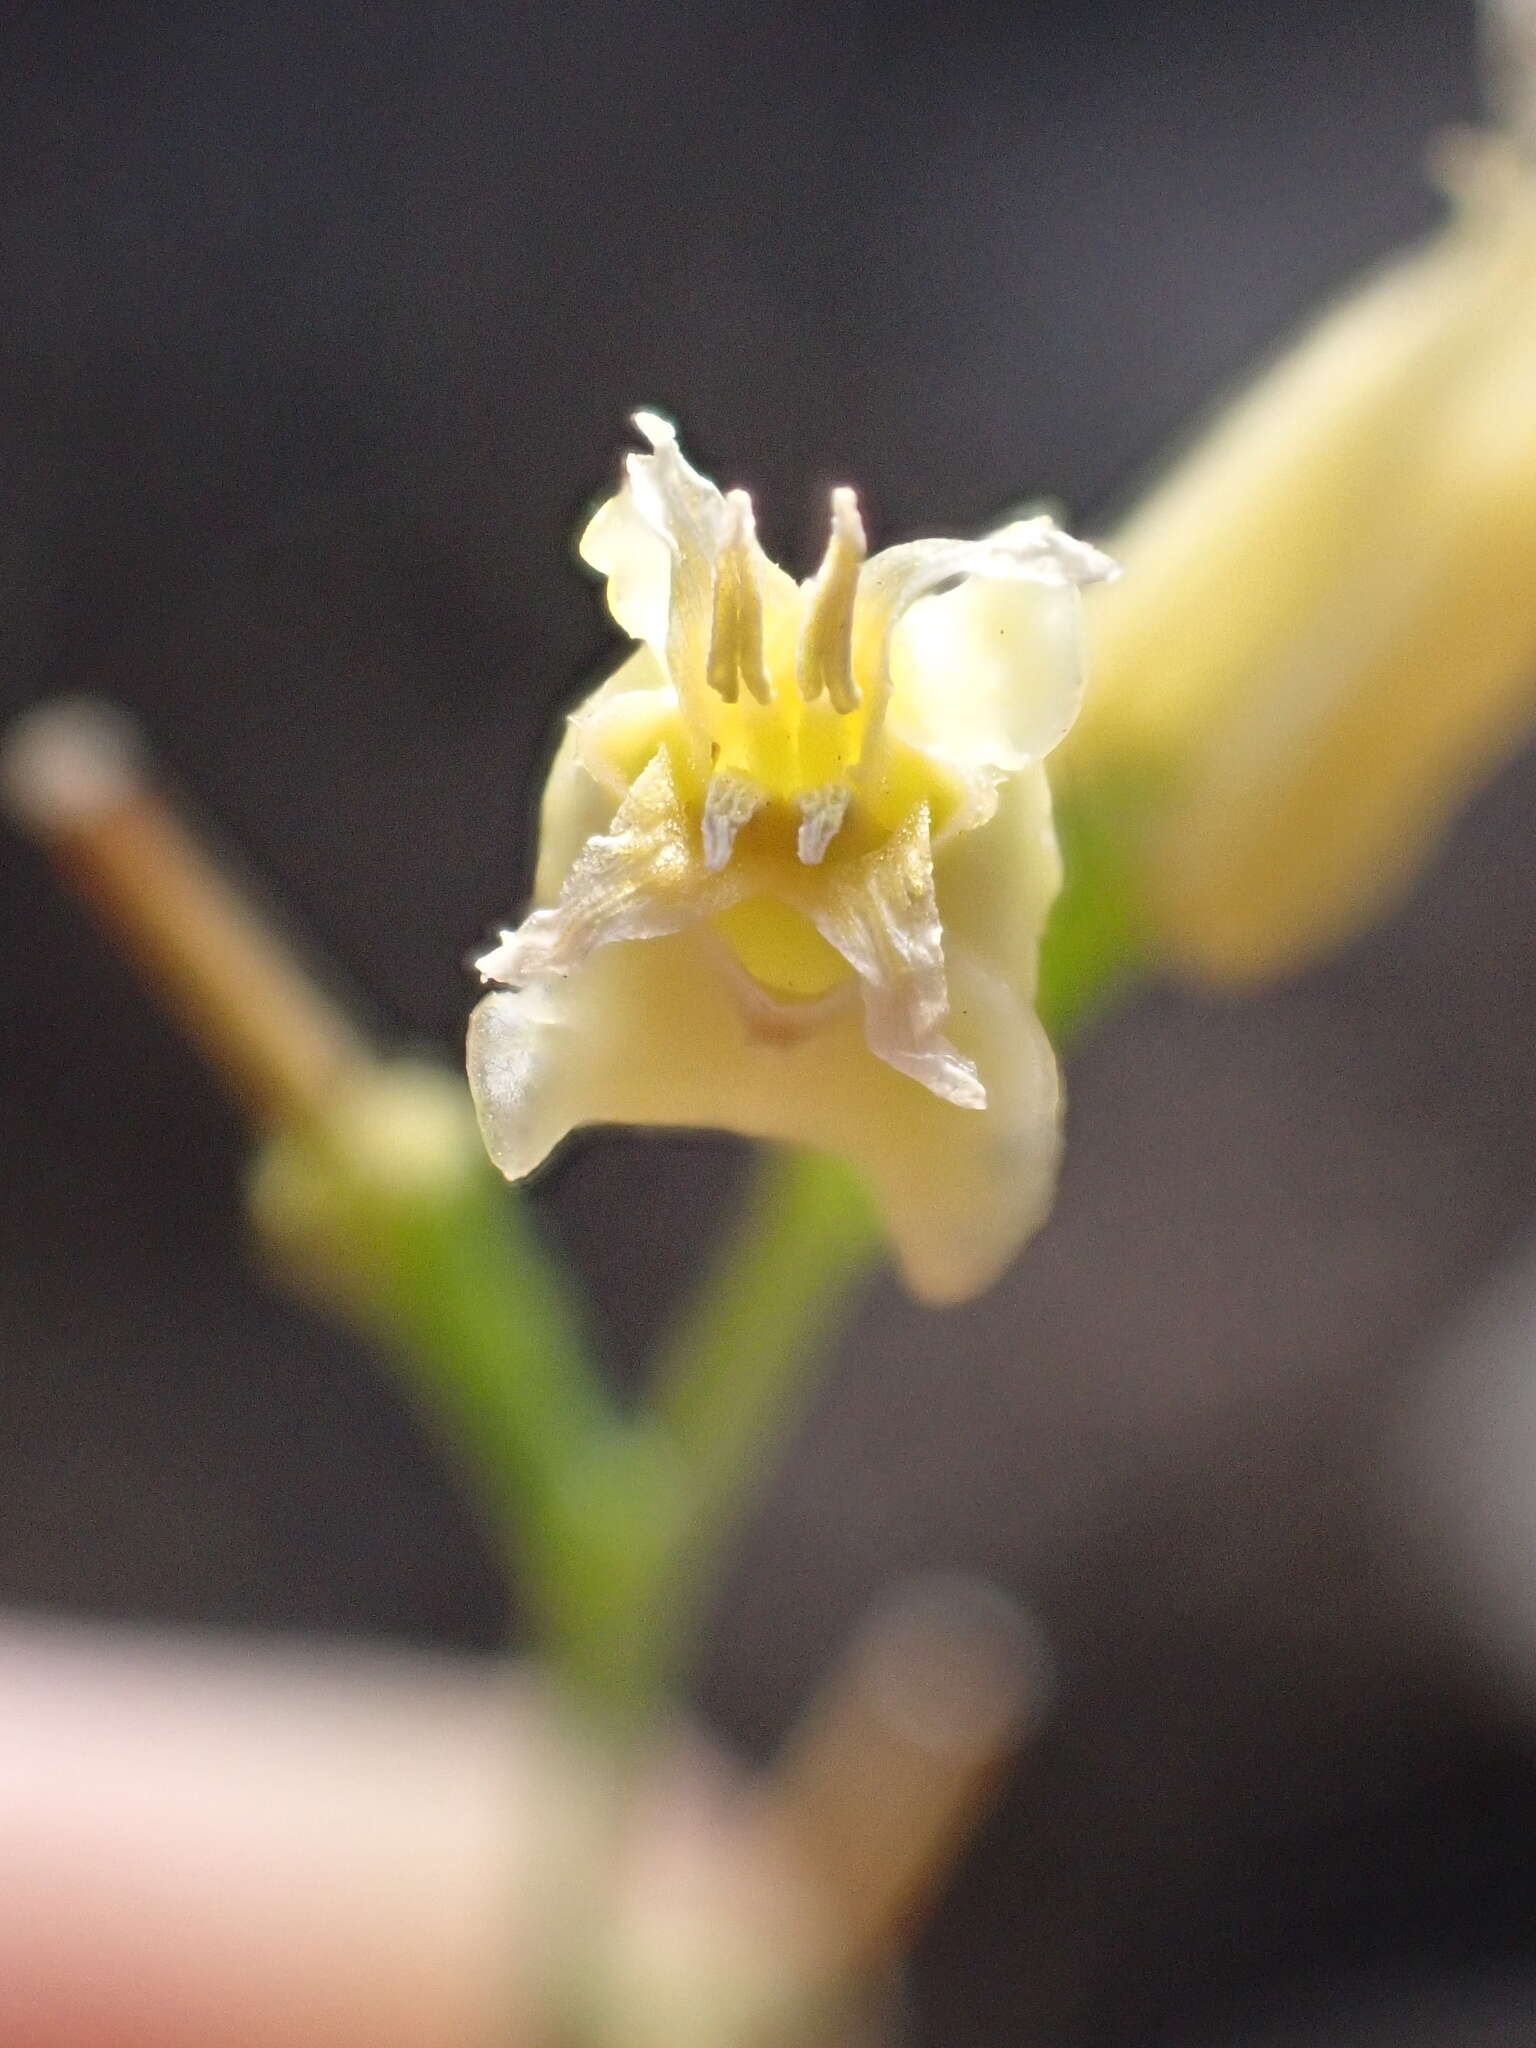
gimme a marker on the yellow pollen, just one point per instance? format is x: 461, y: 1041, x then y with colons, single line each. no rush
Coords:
x: 825, y: 660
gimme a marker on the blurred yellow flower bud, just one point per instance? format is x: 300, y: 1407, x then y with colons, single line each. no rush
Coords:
x: 795, y: 859
x: 1327, y: 630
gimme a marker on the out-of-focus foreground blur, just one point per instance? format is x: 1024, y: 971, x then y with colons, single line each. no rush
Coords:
x: 321, y: 326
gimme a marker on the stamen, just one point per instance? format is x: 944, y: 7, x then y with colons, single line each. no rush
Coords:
x: 736, y: 627
x: 825, y: 659
x: 821, y: 817
x: 721, y: 673
x: 749, y: 599
x: 71, y: 773
x: 729, y: 803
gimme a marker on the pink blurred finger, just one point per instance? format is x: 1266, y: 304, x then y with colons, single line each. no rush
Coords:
x: 241, y: 1846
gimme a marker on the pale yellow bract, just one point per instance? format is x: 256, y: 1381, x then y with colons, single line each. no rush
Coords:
x: 795, y: 859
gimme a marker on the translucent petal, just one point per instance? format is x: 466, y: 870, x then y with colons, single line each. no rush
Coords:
x: 990, y: 673
x: 991, y: 669
x: 881, y: 915
x: 529, y: 1053
x: 623, y: 547
x: 660, y: 542
x: 995, y: 886
x: 607, y: 738
x: 690, y: 516
x: 642, y: 877
x: 653, y: 1035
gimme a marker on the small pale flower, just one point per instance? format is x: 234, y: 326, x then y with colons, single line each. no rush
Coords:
x: 795, y: 859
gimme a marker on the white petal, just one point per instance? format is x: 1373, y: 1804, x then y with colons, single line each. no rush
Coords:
x: 659, y: 543
x: 641, y: 878
x: 620, y: 544
x: 652, y: 1035
x: 882, y: 916
x: 963, y: 1190
x: 525, y: 1057
x: 995, y: 886
x: 990, y: 672
x: 690, y: 515
x: 586, y: 778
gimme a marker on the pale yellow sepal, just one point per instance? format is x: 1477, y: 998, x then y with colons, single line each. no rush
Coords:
x: 1327, y: 632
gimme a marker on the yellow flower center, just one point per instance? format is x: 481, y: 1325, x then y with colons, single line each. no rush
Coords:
x: 781, y: 949
x: 783, y: 766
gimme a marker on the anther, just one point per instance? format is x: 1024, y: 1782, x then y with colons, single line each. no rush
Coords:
x: 825, y: 659
x: 821, y: 818
x: 729, y: 803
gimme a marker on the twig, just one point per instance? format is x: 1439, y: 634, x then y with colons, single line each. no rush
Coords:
x: 879, y: 1788
x: 71, y: 773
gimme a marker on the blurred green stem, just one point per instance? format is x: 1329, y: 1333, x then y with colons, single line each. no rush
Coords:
x: 392, y: 1211
x: 740, y: 1361
x: 496, y: 1353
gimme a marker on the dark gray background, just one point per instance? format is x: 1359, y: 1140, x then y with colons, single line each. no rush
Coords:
x: 321, y: 326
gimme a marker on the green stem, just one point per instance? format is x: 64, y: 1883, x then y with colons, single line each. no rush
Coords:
x: 393, y: 1210
x: 493, y: 1349
x: 739, y: 1364
x: 587, y: 1504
